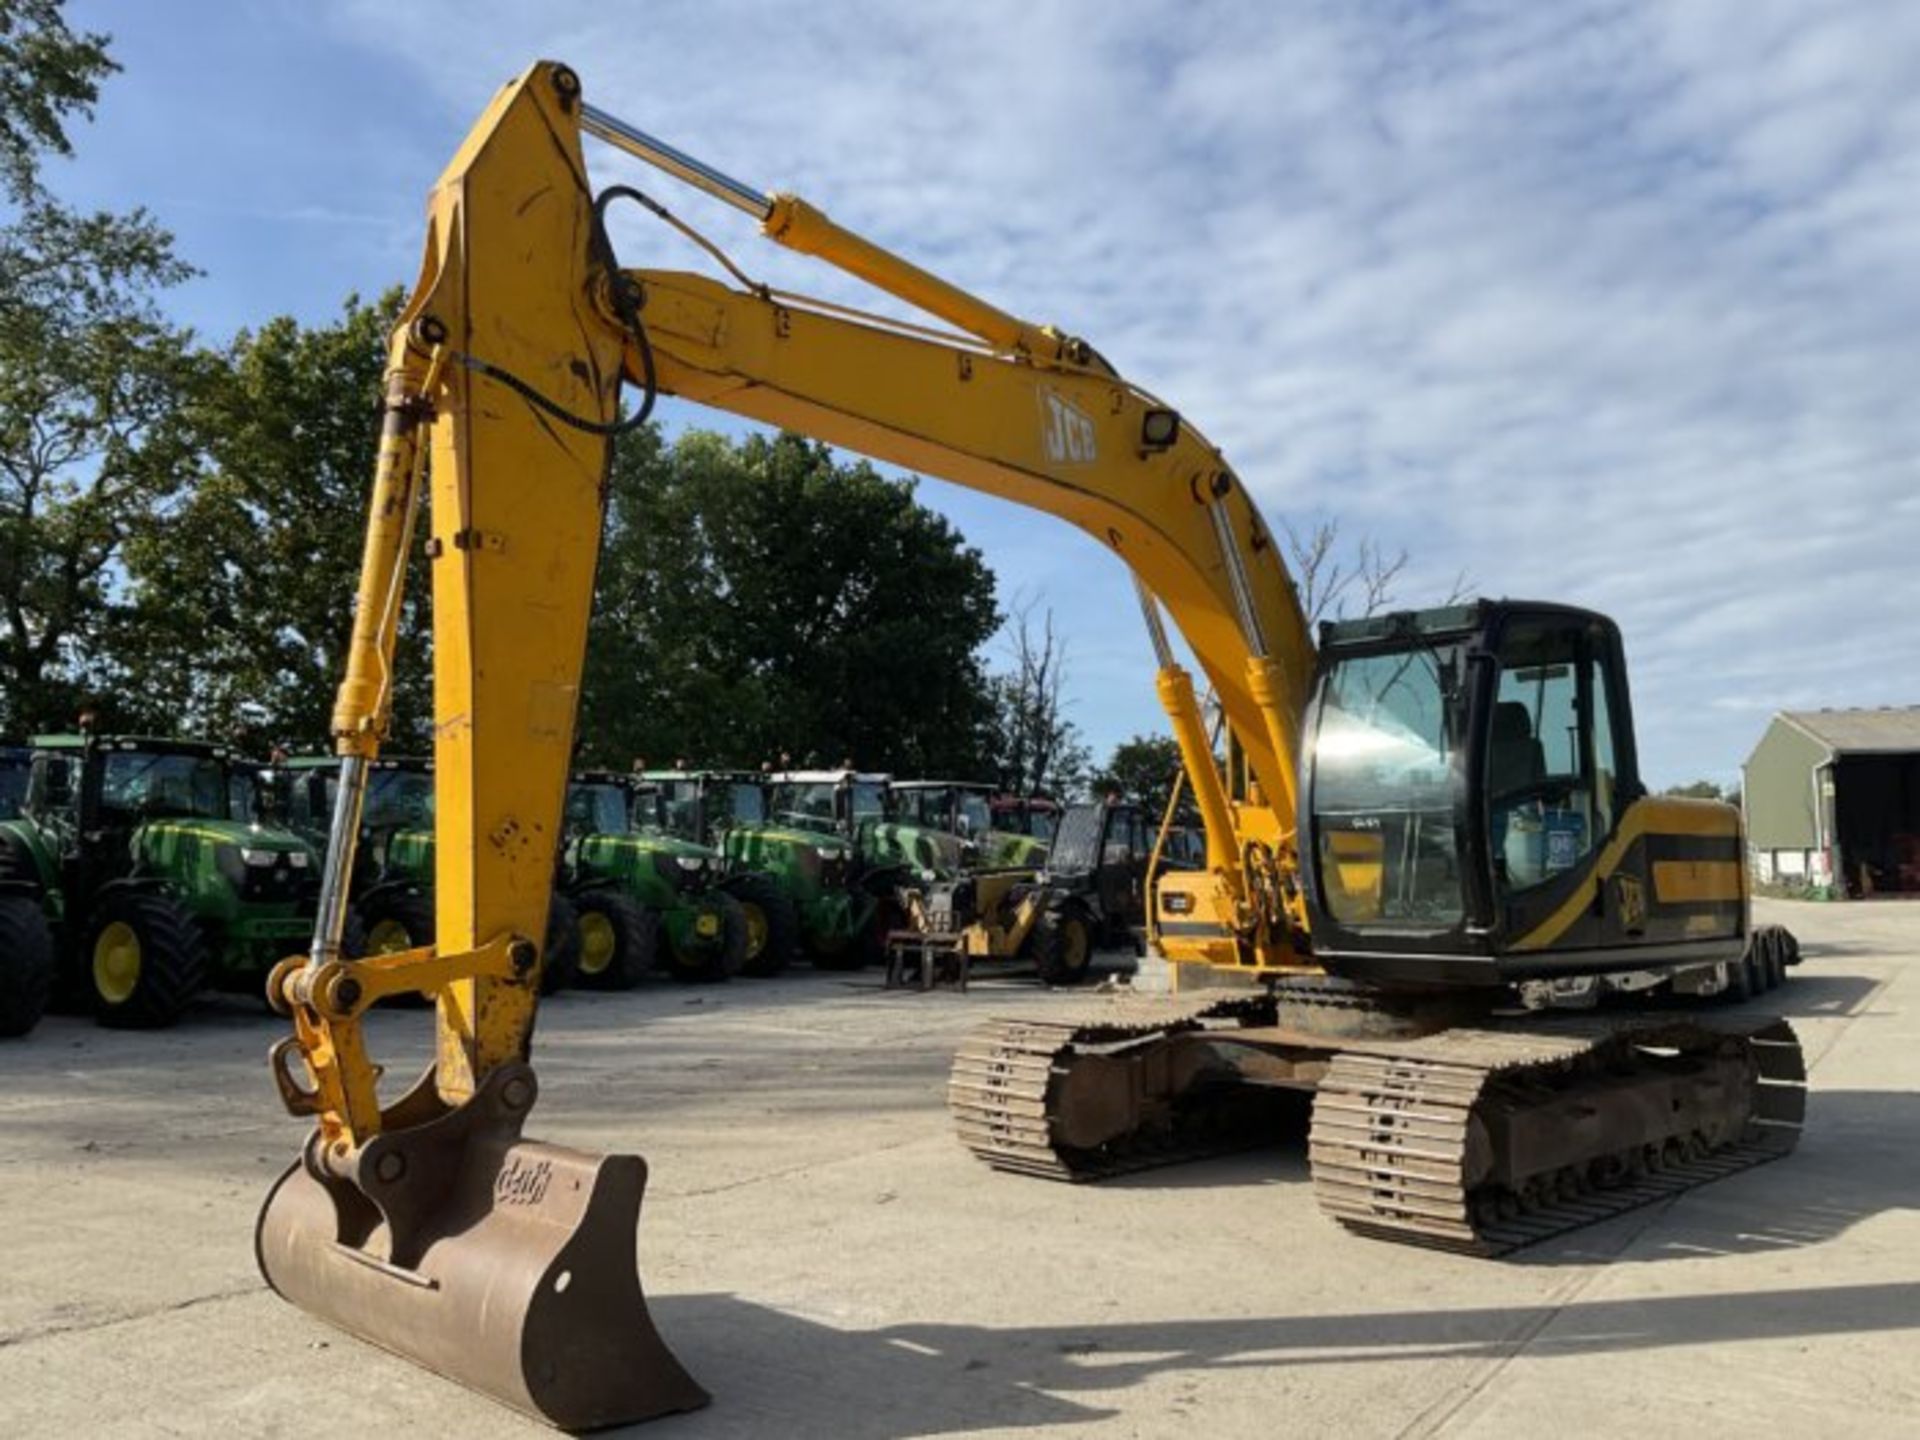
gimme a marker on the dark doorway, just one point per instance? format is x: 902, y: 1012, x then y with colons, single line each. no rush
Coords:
x: 1877, y: 822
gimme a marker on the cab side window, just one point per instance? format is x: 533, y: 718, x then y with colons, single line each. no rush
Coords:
x: 1540, y: 771
x: 53, y: 784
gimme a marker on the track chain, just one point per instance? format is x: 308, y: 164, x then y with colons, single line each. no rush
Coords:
x: 1390, y: 1132
x: 998, y: 1087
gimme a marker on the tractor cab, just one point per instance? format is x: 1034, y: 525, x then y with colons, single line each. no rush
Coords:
x: 960, y: 808
x: 1032, y: 816
x: 956, y: 816
x: 601, y: 802
x: 111, y: 786
x: 703, y: 805
x: 835, y: 802
x: 398, y: 803
x: 1474, y: 811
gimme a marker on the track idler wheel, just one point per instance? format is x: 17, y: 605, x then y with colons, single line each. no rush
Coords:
x: 505, y: 1264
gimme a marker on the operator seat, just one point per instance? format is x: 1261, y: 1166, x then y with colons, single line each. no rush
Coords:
x: 1514, y: 757
x: 1515, y: 761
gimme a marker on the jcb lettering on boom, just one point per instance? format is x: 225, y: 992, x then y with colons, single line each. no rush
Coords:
x: 1066, y: 430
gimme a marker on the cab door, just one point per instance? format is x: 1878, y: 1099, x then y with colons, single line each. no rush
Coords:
x: 1557, y: 777
x: 1122, y: 866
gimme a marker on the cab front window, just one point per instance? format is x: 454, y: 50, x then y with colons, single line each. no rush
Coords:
x: 1387, y: 772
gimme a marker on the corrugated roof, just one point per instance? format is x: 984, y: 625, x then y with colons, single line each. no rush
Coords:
x: 1853, y: 732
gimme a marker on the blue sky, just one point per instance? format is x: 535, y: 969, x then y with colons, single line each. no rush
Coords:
x: 1610, y: 303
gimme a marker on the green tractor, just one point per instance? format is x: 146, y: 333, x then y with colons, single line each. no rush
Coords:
x: 26, y: 940
x: 153, y: 888
x: 642, y: 891
x: 391, y: 888
x: 829, y: 841
x: 703, y: 807
x: 994, y: 832
x: 1023, y: 826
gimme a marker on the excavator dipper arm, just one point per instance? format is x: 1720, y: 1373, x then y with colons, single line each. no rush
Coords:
x: 428, y: 1225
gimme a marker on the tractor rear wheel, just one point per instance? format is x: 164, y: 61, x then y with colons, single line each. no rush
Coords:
x: 1063, y: 947
x: 26, y: 964
x: 147, y: 960
x: 560, y: 955
x: 773, y: 924
x: 396, y: 919
x: 713, y: 956
x: 387, y: 922
x: 619, y: 940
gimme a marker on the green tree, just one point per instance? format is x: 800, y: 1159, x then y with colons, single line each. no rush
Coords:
x: 1143, y: 770
x: 48, y: 75
x: 759, y: 598
x: 1705, y: 790
x: 254, y: 573
x: 93, y: 381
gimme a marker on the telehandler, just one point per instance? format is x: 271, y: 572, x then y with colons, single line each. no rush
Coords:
x: 1411, y: 819
x: 1090, y: 895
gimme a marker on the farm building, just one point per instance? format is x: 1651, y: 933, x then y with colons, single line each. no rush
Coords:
x: 1832, y: 800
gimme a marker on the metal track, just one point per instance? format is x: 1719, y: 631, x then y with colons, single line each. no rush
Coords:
x: 1391, y: 1129
x: 1392, y: 1119
x: 998, y: 1089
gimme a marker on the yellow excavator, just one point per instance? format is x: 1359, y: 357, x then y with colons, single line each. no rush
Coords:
x: 1409, y: 819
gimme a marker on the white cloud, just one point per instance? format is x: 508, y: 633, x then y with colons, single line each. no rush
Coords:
x: 1606, y: 302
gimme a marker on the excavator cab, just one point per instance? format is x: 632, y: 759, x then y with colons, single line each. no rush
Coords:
x: 1474, y: 808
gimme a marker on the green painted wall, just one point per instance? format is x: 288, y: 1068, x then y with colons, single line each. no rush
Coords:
x: 1779, y: 789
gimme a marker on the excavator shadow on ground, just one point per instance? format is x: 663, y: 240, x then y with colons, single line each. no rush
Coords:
x: 806, y: 1378
x: 1856, y: 1162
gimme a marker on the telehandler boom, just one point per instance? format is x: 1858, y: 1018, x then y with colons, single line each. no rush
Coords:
x: 1406, y: 823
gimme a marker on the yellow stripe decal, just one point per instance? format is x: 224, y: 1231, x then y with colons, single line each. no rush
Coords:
x: 1650, y: 815
x: 1686, y: 882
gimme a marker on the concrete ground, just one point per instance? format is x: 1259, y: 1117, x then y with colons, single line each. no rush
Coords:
x: 828, y: 1261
